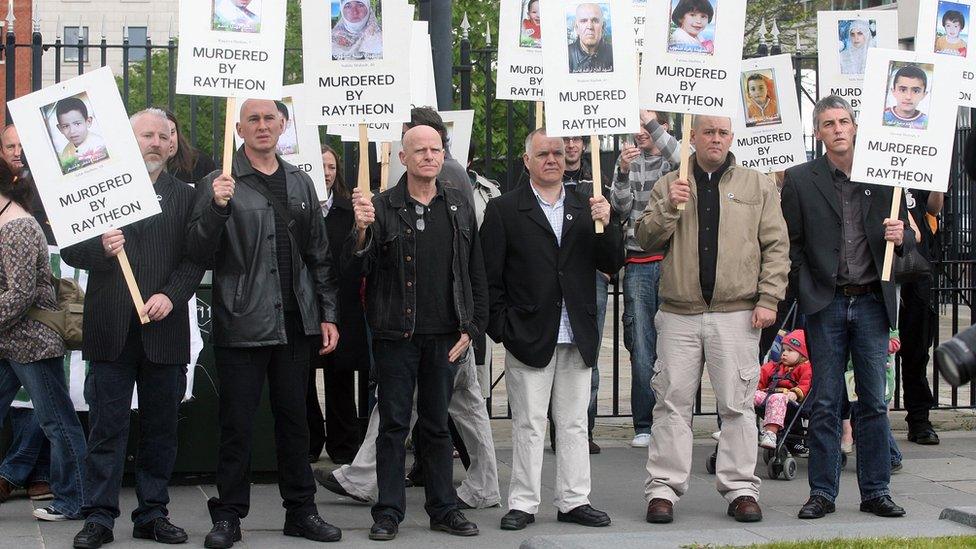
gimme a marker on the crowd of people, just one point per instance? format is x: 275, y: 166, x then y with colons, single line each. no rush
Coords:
x: 412, y: 286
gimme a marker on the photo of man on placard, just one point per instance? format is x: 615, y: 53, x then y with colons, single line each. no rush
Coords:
x: 759, y: 98
x: 72, y: 129
x: 856, y: 37
x: 530, y: 33
x: 589, y: 35
x: 237, y: 15
x: 288, y: 142
x: 910, y: 84
x: 951, y: 34
x: 692, y: 26
x: 357, y: 32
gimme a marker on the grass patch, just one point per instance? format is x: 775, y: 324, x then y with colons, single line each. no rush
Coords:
x: 951, y: 542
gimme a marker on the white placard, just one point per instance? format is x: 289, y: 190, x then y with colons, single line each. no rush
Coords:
x: 354, y: 63
x: 459, y: 125
x: 231, y: 51
x: 943, y: 28
x: 591, y: 67
x: 907, y: 124
x: 89, y: 172
x: 299, y: 144
x: 519, y: 75
x: 640, y: 17
x: 692, y: 56
x: 843, y: 40
x: 767, y: 126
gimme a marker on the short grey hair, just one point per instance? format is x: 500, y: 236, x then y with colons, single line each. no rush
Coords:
x: 532, y: 134
x: 695, y: 119
x: 831, y: 102
x: 151, y: 111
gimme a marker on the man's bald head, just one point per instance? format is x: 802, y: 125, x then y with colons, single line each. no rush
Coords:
x: 423, y: 152
x: 260, y: 125
x: 13, y: 153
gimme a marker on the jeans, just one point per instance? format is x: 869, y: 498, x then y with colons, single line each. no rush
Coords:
x: 601, y: 316
x: 29, y: 456
x: 640, y: 337
x: 45, y: 381
x: 108, y: 391
x: 856, y: 327
x: 403, y: 366
x: 896, y: 456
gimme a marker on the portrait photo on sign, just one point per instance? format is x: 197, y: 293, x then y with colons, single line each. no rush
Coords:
x: 692, y: 28
x: 288, y: 142
x: 236, y: 15
x: 357, y: 31
x: 759, y: 98
x: 75, y: 134
x: 951, y: 29
x: 856, y: 36
x: 530, y: 31
x: 906, y: 101
x: 590, y: 37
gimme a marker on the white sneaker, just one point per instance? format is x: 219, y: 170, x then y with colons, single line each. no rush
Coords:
x: 717, y: 435
x: 767, y: 440
x: 49, y: 514
x: 641, y: 440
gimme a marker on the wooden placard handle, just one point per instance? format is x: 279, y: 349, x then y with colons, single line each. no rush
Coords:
x: 229, y: 125
x: 384, y: 165
x: 539, y: 113
x: 130, y: 281
x: 597, y: 174
x: 363, y: 181
x: 889, y: 257
x: 685, y: 152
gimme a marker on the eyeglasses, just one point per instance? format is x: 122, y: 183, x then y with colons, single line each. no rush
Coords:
x: 419, y: 210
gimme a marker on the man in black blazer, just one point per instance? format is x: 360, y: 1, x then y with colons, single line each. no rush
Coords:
x: 541, y: 254
x: 123, y: 352
x: 838, y: 232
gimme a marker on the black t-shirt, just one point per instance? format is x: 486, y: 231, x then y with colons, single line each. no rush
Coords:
x: 436, y: 312
x: 279, y: 190
x: 917, y: 204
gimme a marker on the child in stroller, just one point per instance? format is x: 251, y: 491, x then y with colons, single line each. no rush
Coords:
x: 780, y: 383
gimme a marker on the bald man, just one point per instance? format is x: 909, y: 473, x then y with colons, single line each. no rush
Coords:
x: 260, y: 228
x: 590, y: 52
x: 426, y: 301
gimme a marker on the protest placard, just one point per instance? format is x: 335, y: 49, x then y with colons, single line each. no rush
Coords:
x: 231, y: 48
x: 943, y: 28
x: 519, y: 76
x: 459, y: 125
x: 844, y: 39
x: 767, y: 127
x: 640, y: 17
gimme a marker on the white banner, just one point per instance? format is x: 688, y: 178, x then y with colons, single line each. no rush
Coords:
x: 943, y: 28
x: 640, y: 18
x: 519, y: 75
x: 459, y: 125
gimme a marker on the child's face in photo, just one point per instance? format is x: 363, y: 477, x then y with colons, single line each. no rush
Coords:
x: 952, y: 29
x: 694, y: 22
x: 857, y: 38
x: 908, y: 92
x: 74, y: 127
x: 790, y: 356
x: 757, y: 90
x: 534, y: 12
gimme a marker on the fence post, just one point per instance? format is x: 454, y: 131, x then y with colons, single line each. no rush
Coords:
x: 148, y: 62
x: 464, y: 67
x: 170, y: 49
x: 37, y: 51
x: 10, y: 57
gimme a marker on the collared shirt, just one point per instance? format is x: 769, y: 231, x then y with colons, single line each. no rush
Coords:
x: 856, y: 265
x: 708, y: 218
x: 434, y: 257
x: 554, y: 213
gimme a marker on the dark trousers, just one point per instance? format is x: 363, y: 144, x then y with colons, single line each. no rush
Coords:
x: 338, y: 431
x: 242, y: 372
x: 917, y: 326
x: 108, y: 390
x: 402, y: 366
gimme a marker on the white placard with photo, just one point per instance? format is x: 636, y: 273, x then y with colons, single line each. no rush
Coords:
x: 520, y: 70
x: 85, y: 160
x: 767, y: 126
x: 591, y: 67
x: 640, y: 18
x: 459, y: 126
x: 908, y: 119
x: 692, y: 54
x: 844, y: 39
x: 943, y: 29
x: 231, y: 48
x: 354, y: 63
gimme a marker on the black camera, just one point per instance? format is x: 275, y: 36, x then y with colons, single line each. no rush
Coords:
x: 956, y: 358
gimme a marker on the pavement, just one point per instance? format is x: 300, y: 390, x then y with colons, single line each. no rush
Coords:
x: 936, y: 481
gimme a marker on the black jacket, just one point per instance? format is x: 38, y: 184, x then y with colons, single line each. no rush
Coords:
x: 529, y: 275
x: 239, y: 245
x: 353, y: 351
x: 813, y: 215
x: 391, y: 300
x: 159, y: 255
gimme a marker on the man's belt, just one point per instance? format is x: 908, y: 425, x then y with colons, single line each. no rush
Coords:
x: 852, y: 290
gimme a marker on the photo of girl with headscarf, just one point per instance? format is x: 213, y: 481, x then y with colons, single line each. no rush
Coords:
x: 530, y: 35
x: 356, y: 30
x: 856, y: 37
x: 759, y: 94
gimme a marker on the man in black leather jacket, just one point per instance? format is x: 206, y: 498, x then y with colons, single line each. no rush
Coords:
x: 274, y: 293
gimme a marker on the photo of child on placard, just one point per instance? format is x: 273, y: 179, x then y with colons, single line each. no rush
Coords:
x: 759, y: 98
x: 588, y: 31
x: 951, y: 34
x: 237, y: 15
x: 692, y: 26
x: 856, y: 37
x: 909, y: 84
x: 357, y: 32
x: 530, y: 33
x: 288, y: 142
x: 74, y: 133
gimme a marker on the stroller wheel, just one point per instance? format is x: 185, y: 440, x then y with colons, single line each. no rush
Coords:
x: 710, y: 463
x: 773, y: 469
x: 789, y: 468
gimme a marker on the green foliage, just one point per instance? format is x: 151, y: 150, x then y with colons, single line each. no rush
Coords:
x: 953, y: 542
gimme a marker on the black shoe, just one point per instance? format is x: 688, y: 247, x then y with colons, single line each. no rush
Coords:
x: 160, y: 530
x: 312, y: 527
x: 461, y: 504
x: 342, y: 460
x: 584, y: 515
x: 896, y: 466
x: 816, y: 507
x: 330, y: 483
x: 883, y: 507
x: 594, y: 448
x: 223, y: 535
x: 924, y: 435
x: 93, y: 536
x: 799, y: 450
x: 456, y: 524
x: 516, y: 520
x: 384, y: 529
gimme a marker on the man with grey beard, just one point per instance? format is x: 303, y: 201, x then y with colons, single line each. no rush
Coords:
x: 124, y: 353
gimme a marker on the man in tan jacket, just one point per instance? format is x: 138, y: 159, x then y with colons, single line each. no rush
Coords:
x: 723, y: 274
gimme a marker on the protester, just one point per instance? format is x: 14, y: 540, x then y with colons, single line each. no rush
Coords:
x: 184, y: 162
x: 31, y: 353
x: 452, y: 173
x: 713, y: 318
x: 266, y: 316
x: 542, y: 254
x: 838, y: 232
x: 424, y: 306
x: 781, y: 382
x: 654, y: 153
x: 124, y: 353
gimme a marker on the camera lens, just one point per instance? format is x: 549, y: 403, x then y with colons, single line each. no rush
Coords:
x: 955, y: 358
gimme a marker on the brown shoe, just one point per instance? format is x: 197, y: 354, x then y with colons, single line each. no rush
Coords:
x: 745, y: 509
x: 5, y: 489
x: 39, y: 491
x: 660, y: 511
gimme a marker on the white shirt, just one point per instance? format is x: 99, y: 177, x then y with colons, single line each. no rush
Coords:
x: 554, y: 213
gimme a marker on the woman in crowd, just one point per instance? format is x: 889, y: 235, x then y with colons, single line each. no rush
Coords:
x: 185, y: 163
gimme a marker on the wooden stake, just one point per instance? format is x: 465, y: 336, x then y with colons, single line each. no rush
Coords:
x: 539, y: 115
x: 685, y: 151
x: 597, y: 175
x: 890, y: 246
x: 130, y: 281
x: 363, y: 181
x: 229, y: 126
x: 384, y: 165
